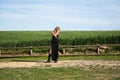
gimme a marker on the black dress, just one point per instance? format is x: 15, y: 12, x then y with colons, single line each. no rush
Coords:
x: 55, y: 47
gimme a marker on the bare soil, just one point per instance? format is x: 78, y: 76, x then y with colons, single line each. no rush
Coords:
x: 65, y: 63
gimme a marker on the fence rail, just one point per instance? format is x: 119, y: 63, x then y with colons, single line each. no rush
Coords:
x: 98, y: 47
x: 61, y: 46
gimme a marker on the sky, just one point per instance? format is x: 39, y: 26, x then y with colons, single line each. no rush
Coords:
x: 67, y: 14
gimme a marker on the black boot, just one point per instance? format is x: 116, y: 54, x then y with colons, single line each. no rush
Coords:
x: 49, y: 56
x: 56, y: 61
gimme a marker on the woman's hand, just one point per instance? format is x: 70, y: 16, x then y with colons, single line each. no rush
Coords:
x: 55, y: 33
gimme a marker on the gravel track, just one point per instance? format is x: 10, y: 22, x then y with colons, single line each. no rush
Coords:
x: 64, y: 63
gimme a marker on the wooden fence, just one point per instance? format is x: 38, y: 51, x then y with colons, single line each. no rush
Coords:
x: 98, y: 48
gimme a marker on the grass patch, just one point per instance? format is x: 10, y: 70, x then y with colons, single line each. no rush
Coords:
x: 107, y: 57
x: 98, y: 57
x: 97, y: 73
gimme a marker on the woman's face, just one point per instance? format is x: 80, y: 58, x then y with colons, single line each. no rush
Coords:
x: 57, y: 29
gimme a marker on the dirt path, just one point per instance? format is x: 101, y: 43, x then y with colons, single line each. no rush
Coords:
x: 65, y: 63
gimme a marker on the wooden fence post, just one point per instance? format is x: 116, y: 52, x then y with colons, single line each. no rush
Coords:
x: 31, y: 51
x: 98, y: 49
x: 0, y: 53
x: 63, y: 51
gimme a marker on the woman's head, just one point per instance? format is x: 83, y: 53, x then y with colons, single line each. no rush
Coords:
x: 57, y: 28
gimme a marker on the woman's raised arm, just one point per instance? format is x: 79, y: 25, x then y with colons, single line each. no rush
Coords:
x: 55, y: 33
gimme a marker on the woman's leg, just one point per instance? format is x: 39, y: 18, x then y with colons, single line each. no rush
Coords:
x: 57, y: 55
x: 55, y: 52
x: 49, y: 54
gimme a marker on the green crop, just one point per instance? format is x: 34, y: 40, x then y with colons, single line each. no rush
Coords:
x: 43, y: 38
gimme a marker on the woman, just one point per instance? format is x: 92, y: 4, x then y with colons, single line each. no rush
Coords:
x: 54, y: 45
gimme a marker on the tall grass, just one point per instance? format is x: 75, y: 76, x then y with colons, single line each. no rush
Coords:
x: 90, y: 37
x: 42, y: 38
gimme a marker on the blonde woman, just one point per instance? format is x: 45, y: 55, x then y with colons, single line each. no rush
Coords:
x: 54, y: 45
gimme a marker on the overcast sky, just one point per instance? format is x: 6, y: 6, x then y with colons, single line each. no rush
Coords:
x: 68, y: 14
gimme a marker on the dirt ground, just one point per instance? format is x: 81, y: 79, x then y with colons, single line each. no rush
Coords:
x: 65, y: 63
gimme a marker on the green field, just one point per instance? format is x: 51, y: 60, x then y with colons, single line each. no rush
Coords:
x: 42, y: 38
x: 93, y: 73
